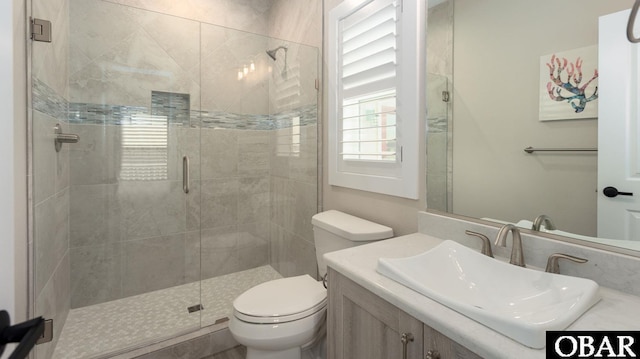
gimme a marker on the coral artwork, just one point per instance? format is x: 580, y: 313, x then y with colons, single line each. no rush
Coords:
x: 564, y: 92
x: 570, y: 84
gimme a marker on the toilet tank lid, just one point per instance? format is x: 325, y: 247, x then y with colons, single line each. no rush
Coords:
x: 350, y: 227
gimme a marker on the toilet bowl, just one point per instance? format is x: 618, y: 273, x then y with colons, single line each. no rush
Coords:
x: 277, y: 319
x: 281, y: 318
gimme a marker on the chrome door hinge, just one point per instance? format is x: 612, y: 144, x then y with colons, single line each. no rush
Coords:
x: 317, y: 84
x: 40, y: 30
x: 446, y: 96
x: 47, y: 335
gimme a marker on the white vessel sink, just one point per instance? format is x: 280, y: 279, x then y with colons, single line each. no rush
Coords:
x: 518, y: 302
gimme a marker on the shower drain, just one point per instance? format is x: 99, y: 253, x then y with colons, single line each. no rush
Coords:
x: 195, y: 308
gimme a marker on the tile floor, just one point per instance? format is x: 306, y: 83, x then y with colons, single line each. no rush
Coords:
x: 238, y: 352
x: 113, y: 326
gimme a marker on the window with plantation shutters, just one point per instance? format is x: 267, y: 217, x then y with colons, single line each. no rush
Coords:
x: 376, y: 103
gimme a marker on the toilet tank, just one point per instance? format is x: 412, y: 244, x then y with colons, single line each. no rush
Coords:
x: 334, y: 230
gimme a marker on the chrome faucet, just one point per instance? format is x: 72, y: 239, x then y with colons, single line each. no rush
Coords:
x: 486, y: 243
x: 543, y: 219
x: 517, y: 256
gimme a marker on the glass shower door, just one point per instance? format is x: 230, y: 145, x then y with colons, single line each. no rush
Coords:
x: 438, y: 149
x: 116, y: 222
x: 259, y: 163
x: 177, y: 160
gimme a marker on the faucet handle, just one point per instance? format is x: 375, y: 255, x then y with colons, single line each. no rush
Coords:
x: 486, y: 243
x: 552, y: 262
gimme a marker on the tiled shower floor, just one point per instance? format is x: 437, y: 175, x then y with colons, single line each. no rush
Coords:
x: 103, y: 328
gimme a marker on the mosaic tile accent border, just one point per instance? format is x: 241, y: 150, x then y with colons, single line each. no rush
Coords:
x: 219, y: 119
x: 438, y: 124
x: 175, y: 106
x: 48, y: 101
x: 95, y: 114
x: 226, y: 120
x: 308, y: 116
x: 116, y: 115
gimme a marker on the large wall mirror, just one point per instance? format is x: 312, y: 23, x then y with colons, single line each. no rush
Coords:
x: 484, y: 87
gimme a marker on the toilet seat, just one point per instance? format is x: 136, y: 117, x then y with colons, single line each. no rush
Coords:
x: 281, y: 300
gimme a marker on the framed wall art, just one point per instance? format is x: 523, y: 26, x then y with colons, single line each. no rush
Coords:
x: 569, y: 85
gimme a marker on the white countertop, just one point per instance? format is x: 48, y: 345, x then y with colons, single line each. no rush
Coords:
x: 616, y: 310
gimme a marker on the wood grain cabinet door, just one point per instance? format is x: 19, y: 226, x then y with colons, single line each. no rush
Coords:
x: 438, y: 346
x: 361, y: 325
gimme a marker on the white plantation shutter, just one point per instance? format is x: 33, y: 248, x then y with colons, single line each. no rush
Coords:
x: 288, y: 139
x: 376, y: 62
x: 368, y: 39
x: 368, y: 128
x: 368, y: 65
x: 144, y: 148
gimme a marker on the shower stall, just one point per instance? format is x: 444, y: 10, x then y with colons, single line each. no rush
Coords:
x: 194, y: 174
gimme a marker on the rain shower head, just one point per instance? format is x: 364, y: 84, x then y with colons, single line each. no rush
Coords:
x: 272, y: 53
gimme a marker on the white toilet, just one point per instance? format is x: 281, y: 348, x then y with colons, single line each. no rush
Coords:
x: 281, y: 318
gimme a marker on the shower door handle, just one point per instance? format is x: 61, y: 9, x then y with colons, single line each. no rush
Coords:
x: 185, y: 173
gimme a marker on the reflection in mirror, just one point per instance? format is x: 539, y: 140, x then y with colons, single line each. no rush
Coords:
x: 494, y: 114
x: 438, y: 96
x: 439, y: 77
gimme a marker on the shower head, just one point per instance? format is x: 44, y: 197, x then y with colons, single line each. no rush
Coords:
x: 272, y: 53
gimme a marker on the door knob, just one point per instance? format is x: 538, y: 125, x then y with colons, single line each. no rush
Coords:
x: 613, y: 192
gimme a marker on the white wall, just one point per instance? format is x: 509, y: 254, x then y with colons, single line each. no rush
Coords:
x: 20, y: 172
x: 13, y: 239
x: 7, y: 240
x: 497, y: 49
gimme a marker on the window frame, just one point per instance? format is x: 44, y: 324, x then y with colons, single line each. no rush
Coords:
x: 401, y: 178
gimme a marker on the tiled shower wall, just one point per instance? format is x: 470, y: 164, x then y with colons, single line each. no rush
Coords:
x: 294, y: 175
x: 129, y: 236
x: 293, y: 202
x: 252, y: 202
x: 49, y: 197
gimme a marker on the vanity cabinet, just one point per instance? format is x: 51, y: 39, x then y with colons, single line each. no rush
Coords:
x: 361, y: 325
x: 438, y: 346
